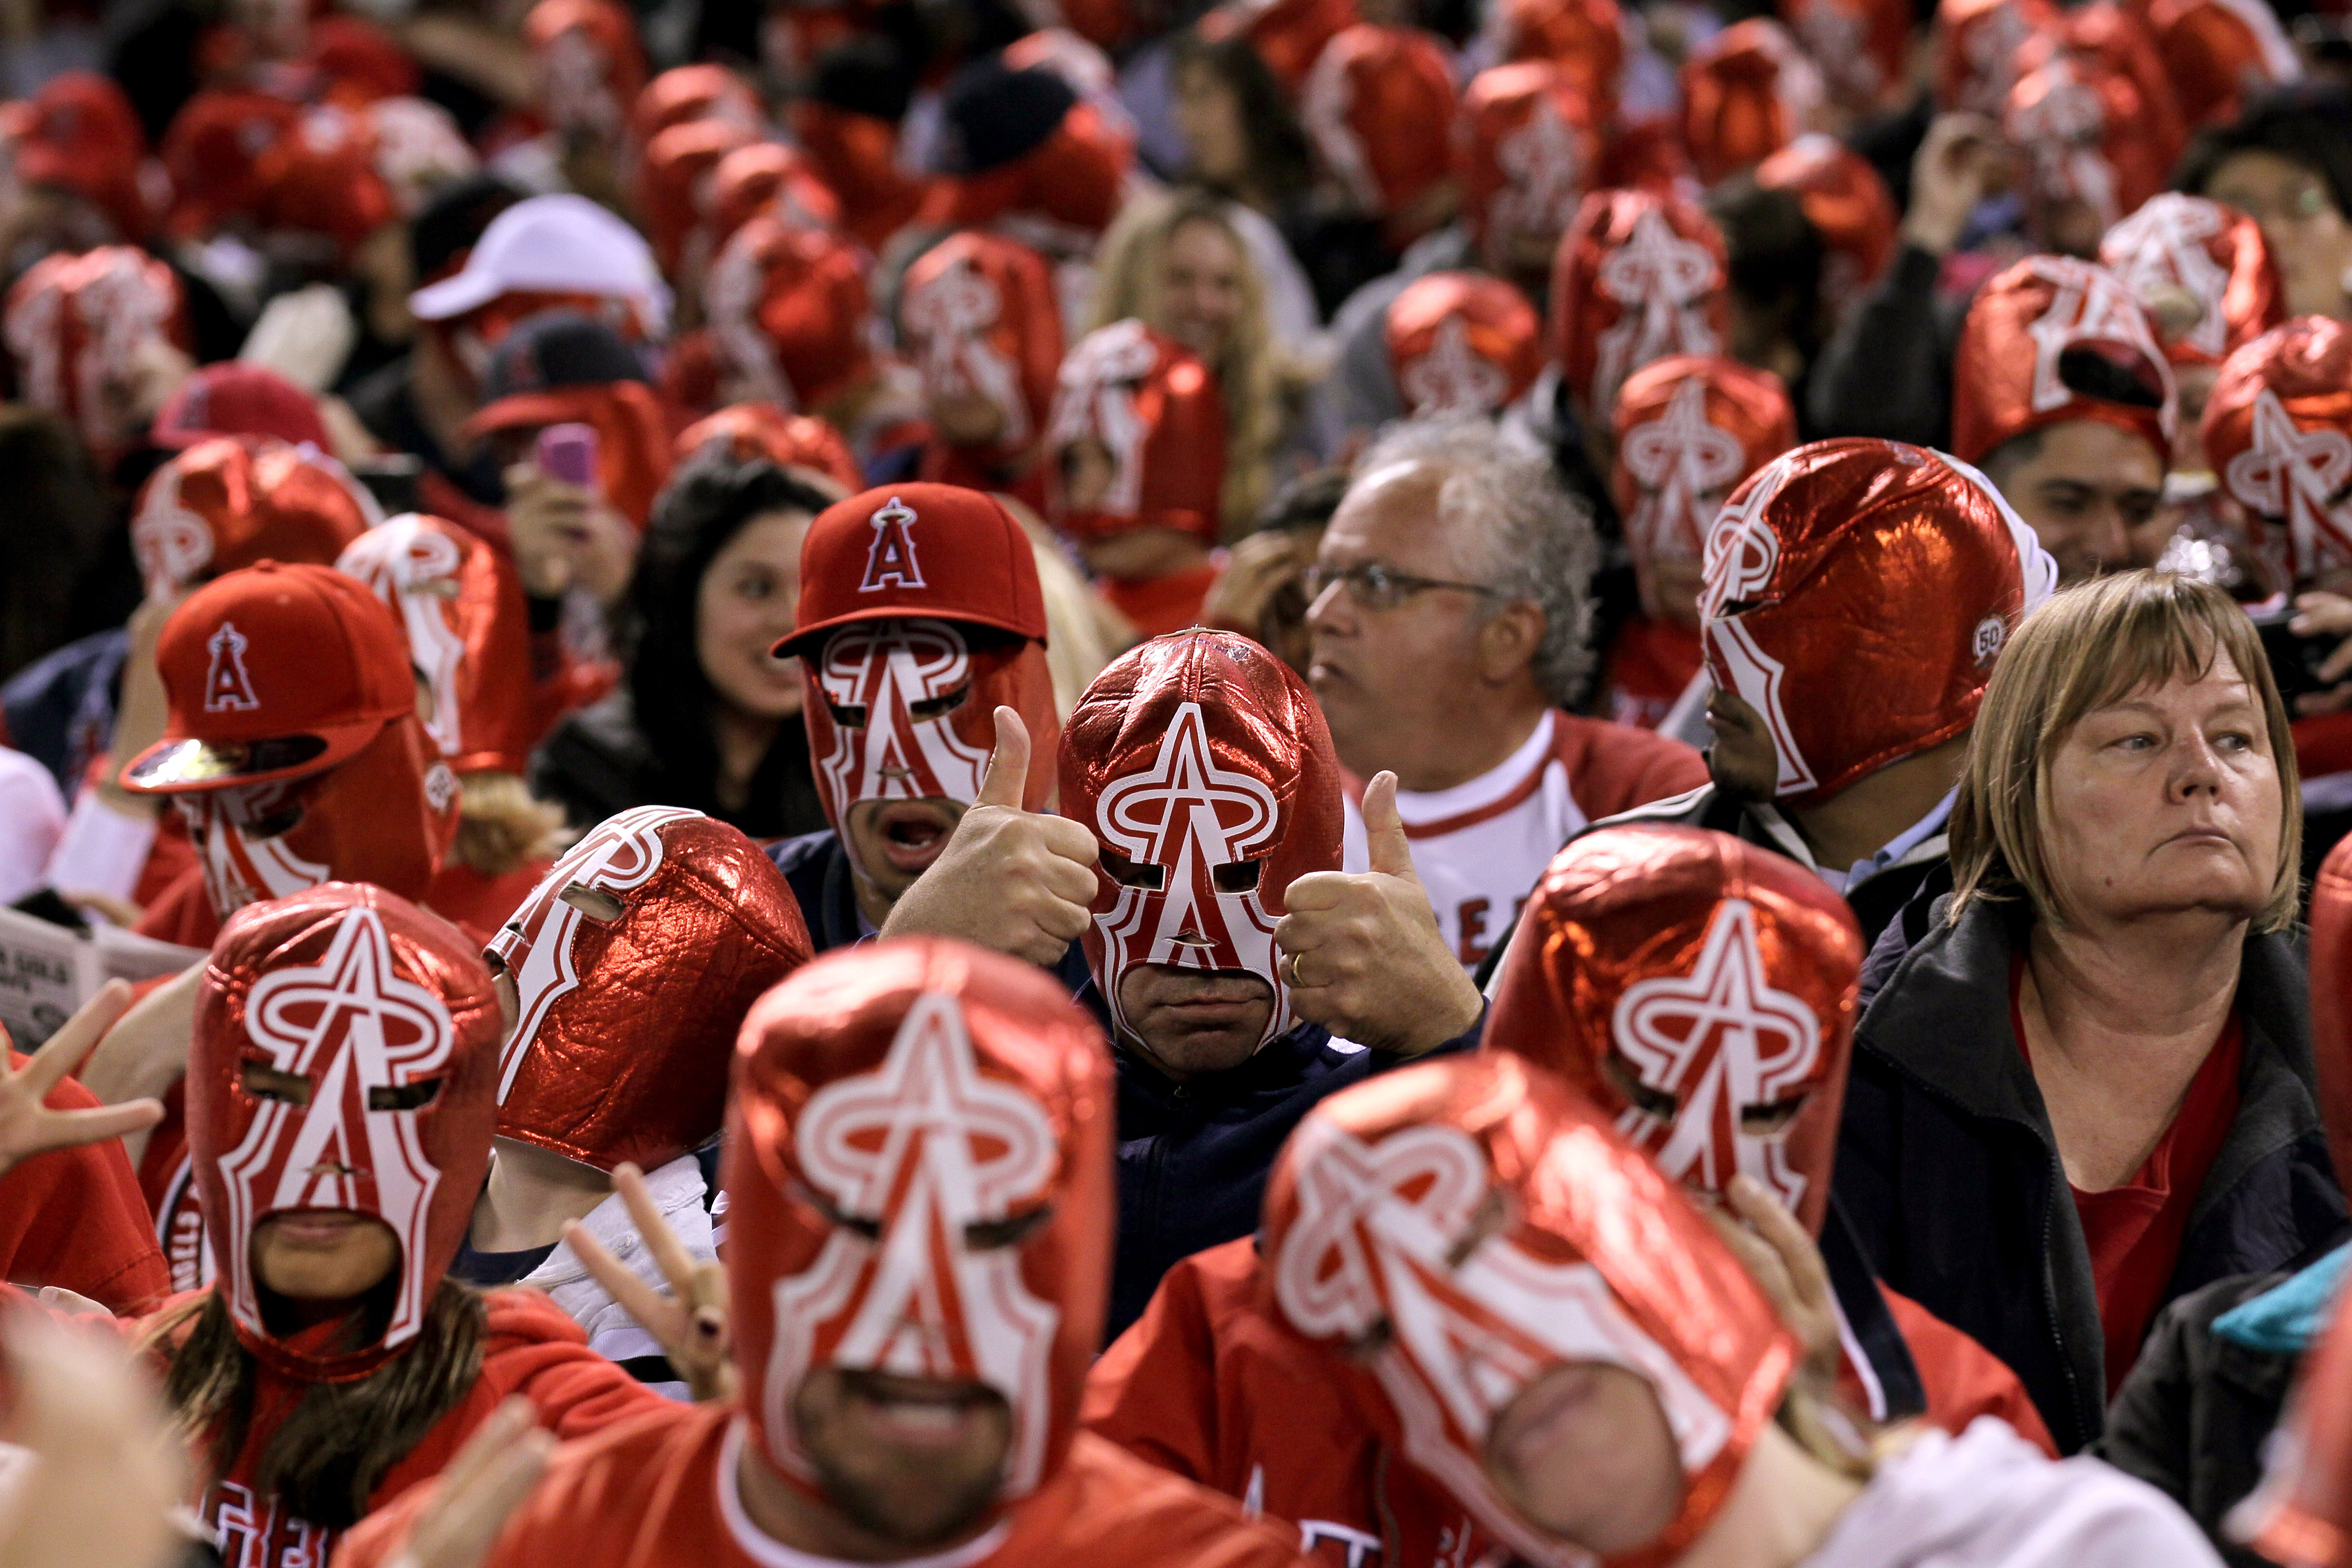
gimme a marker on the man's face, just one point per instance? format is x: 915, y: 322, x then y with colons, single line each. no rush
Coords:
x: 896, y: 840
x: 1741, y: 762
x: 2084, y: 493
x: 914, y: 1460
x: 1390, y: 677
x: 1195, y: 1020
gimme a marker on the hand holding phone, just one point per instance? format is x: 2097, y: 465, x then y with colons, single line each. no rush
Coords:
x: 567, y: 452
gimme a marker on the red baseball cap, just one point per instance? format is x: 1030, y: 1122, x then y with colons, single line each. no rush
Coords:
x: 273, y: 672
x: 936, y: 550
x: 235, y: 397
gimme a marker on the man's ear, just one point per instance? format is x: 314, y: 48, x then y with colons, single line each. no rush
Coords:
x: 1508, y: 642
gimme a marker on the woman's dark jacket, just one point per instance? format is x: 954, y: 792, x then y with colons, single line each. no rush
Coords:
x: 1949, y: 1172
x: 600, y: 761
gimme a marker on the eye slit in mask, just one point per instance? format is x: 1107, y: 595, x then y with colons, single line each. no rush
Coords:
x: 846, y: 715
x: 404, y: 1096
x: 1650, y: 1101
x: 986, y: 1235
x: 932, y: 708
x: 1141, y: 875
x: 1764, y: 1120
x: 1492, y: 1216
x: 594, y: 903
x: 263, y: 1081
x: 1237, y: 875
x: 871, y: 1229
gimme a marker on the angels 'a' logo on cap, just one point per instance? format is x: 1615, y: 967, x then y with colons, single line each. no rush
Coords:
x: 227, y: 687
x: 890, y: 560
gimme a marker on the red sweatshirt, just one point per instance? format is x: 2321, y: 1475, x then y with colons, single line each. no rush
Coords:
x: 74, y: 1217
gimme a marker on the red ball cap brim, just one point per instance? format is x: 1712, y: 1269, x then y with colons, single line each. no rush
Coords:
x: 940, y: 552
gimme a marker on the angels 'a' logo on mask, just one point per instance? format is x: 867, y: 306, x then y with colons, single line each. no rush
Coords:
x: 1676, y: 459
x: 620, y: 854
x: 2063, y: 127
x: 890, y: 688
x: 414, y: 569
x: 173, y: 543
x: 227, y: 687
x: 2087, y: 305
x: 1659, y: 282
x: 1194, y: 835
x: 1096, y: 397
x: 241, y: 867
x: 2296, y: 476
x: 924, y: 1155
x: 1453, y: 378
x: 1726, y: 1045
x: 1742, y: 553
x: 949, y: 317
x: 1386, y: 1235
x: 2162, y: 247
x: 1543, y: 175
x: 890, y: 560
x: 362, y: 1035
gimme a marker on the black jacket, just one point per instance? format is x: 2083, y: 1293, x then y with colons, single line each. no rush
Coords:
x: 1948, y: 1169
x: 598, y: 761
x: 1888, y: 370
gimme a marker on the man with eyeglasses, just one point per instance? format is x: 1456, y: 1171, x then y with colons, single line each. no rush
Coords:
x: 1449, y: 627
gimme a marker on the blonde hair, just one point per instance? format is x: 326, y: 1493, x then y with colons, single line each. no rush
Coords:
x: 501, y: 826
x: 1253, y: 375
x: 2095, y: 644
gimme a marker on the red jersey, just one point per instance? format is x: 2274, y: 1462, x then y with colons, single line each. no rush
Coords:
x: 1962, y: 1379
x: 76, y: 1218
x: 660, y: 1492
x: 532, y: 1349
x: 1651, y: 664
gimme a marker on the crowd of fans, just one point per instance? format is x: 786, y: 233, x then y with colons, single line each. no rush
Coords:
x: 989, y: 782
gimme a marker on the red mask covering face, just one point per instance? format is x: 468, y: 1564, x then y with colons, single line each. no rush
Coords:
x: 391, y: 1021
x: 235, y: 500
x: 2085, y: 124
x: 1863, y: 46
x: 1585, y: 38
x: 462, y: 608
x: 2010, y: 376
x: 981, y: 321
x: 1848, y: 206
x: 788, y: 309
x: 704, y: 926
x: 2214, y: 50
x: 1638, y: 276
x: 591, y: 67
x: 1367, y: 105
x: 1887, y: 574
x: 1200, y: 764
x: 1154, y: 410
x: 1289, y: 34
x: 1701, y: 991
x: 764, y: 430
x: 2278, y: 430
x: 77, y: 328
x: 1461, y: 342
x: 2188, y: 257
x: 1525, y: 144
x: 677, y: 191
x: 1976, y: 49
x: 1688, y: 429
x: 899, y: 1111
x: 1462, y: 1228
x: 768, y: 177
x: 1747, y: 93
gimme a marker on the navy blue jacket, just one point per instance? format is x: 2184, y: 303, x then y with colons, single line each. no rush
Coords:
x: 59, y: 709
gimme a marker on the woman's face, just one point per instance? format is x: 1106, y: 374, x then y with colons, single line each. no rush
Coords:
x: 2308, y: 238
x: 1201, y: 288
x: 2167, y: 800
x: 323, y: 1254
x: 744, y: 608
x: 1208, y: 116
x: 1584, y: 1454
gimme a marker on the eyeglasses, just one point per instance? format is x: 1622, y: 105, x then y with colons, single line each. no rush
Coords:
x: 1379, y: 587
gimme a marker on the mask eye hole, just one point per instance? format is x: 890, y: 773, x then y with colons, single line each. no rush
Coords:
x: 982, y: 1235
x: 1738, y: 607
x: 1237, y: 875
x: 1764, y: 1121
x: 938, y: 706
x: 1650, y: 1101
x: 594, y: 903
x: 404, y: 1096
x: 263, y: 1081
x: 871, y: 1229
x: 846, y: 715
x: 1136, y: 874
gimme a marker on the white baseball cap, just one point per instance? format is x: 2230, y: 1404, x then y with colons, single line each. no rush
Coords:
x: 557, y: 244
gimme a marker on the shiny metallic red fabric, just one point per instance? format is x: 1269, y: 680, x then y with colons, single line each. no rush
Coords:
x: 789, y: 311
x: 1847, y: 204
x: 764, y: 430
x: 2278, y: 431
x: 1863, y: 46
x: 462, y: 608
x: 693, y: 92
x: 768, y: 176
x: 233, y: 500
x: 76, y: 326
x: 677, y: 190
x: 1976, y: 49
x: 1369, y: 105
x: 589, y: 64
x: 1689, y: 427
x: 2091, y: 128
x: 1858, y: 594
x: 978, y: 317
x: 1527, y: 142
x: 209, y: 152
x: 319, y: 177
x: 1692, y: 985
x: 624, y: 1028
x: 856, y: 157
x: 1193, y: 758
x: 1462, y: 342
x: 1585, y: 38
x: 390, y: 1017
x: 2214, y: 50
x: 1747, y: 93
x: 2007, y: 376
x: 889, y: 1101
x: 1638, y: 276
x: 1057, y: 197
x: 1154, y: 409
x: 1455, y: 1230
x: 2181, y: 251
x: 81, y: 134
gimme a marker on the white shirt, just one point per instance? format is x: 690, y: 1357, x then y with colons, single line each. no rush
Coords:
x: 1922, y: 840
x: 677, y: 1190
x: 32, y: 820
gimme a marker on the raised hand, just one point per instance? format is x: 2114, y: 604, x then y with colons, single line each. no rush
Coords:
x: 1018, y: 881
x: 479, y: 1491
x: 106, y: 1471
x: 1785, y: 1261
x: 28, y: 1124
x: 690, y: 1321
x: 1361, y: 952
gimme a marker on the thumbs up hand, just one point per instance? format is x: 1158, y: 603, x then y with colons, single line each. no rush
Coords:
x: 1018, y: 881
x: 1361, y: 952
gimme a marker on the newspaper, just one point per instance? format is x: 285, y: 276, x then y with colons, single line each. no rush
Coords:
x: 47, y: 972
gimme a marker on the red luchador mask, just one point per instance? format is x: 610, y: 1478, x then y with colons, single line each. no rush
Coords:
x: 918, y: 1182
x: 764, y: 430
x: 2010, y: 375
x: 1585, y: 38
x: 2086, y: 124
x: 1847, y: 204
x: 389, y: 1021
x: 1976, y: 49
x: 634, y: 961
x: 789, y: 311
x: 2214, y: 52
x: 2192, y: 252
x: 2278, y: 430
x: 1747, y: 93
x: 1461, y: 1228
x: 1638, y: 276
x: 462, y: 608
x: 1863, y: 46
x: 1702, y: 991
x: 1890, y: 573
x: 1368, y: 105
x: 1156, y: 412
x: 980, y: 321
x: 235, y: 500
x: 1200, y: 764
x: 77, y: 327
x: 1526, y: 143
x: 1688, y: 429
x: 590, y: 65
x: 1462, y: 342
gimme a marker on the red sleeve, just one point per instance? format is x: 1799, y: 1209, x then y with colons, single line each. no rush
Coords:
x: 183, y: 913
x: 76, y: 1217
x: 1616, y: 767
x: 1153, y: 1392
x: 1964, y: 1380
x: 537, y: 1352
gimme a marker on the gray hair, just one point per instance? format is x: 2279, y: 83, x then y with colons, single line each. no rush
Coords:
x: 1533, y: 541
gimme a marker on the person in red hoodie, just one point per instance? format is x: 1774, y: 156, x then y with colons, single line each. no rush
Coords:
x: 342, y: 1092
x: 919, y: 1178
